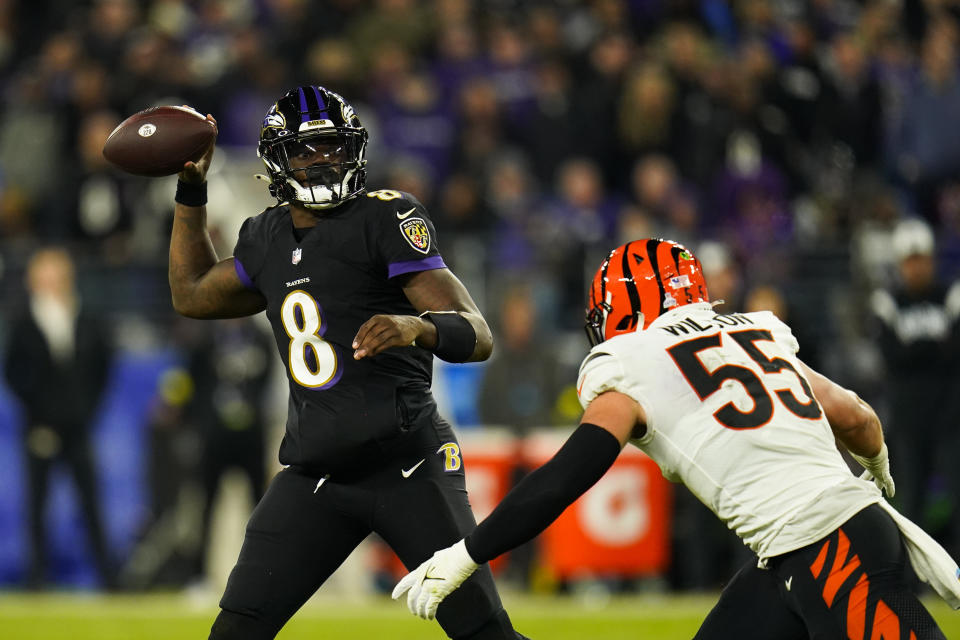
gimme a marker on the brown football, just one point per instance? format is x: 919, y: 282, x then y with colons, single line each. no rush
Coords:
x: 159, y: 140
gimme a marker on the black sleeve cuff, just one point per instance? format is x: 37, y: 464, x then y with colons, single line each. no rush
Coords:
x: 191, y: 194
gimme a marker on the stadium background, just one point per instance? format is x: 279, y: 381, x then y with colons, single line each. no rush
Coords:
x: 781, y: 140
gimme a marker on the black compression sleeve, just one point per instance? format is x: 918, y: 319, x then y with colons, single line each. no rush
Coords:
x: 456, y: 337
x: 542, y: 496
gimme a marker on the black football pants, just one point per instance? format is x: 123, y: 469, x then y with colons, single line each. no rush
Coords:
x: 305, y: 527
x: 849, y: 585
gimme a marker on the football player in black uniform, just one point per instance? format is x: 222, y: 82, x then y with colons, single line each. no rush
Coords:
x: 360, y: 301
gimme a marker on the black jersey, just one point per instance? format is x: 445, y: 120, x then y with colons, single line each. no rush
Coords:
x: 918, y: 333
x: 319, y: 291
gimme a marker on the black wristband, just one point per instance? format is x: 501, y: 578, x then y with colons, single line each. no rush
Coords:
x: 191, y: 194
x: 456, y: 337
x: 542, y: 495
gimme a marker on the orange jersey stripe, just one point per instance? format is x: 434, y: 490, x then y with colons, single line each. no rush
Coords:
x: 817, y: 565
x: 886, y: 624
x: 840, y: 571
x: 857, y: 609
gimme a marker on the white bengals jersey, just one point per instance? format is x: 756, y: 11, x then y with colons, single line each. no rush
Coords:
x: 730, y: 415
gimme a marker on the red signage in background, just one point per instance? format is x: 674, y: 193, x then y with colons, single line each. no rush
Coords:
x: 489, y: 457
x: 620, y: 527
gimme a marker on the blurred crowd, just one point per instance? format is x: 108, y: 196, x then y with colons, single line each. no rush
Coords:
x: 549, y: 131
x: 785, y: 141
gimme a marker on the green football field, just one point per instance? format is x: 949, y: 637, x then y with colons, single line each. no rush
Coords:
x: 171, y: 617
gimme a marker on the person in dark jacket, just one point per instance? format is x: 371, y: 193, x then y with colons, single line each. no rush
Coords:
x: 920, y: 342
x: 57, y: 364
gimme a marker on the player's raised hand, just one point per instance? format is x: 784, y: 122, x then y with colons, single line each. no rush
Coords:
x: 196, y: 172
x: 435, y: 579
x: 382, y: 332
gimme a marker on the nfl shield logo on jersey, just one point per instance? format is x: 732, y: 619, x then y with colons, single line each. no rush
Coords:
x: 297, y: 254
x: 417, y: 235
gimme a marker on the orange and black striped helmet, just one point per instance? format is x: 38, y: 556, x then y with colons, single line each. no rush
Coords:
x: 638, y: 282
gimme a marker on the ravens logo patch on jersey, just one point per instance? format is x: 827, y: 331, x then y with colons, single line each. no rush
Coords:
x: 416, y: 232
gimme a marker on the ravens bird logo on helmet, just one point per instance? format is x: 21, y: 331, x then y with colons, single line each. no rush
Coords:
x: 637, y: 283
x: 314, y: 148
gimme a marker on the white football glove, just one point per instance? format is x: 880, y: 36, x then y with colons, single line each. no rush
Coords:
x: 878, y: 470
x: 435, y: 579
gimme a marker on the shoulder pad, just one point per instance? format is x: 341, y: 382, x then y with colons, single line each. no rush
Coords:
x: 392, y: 199
x: 600, y: 371
x: 268, y: 221
x: 782, y: 333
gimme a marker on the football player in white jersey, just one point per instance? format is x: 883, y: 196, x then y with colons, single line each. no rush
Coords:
x: 722, y: 403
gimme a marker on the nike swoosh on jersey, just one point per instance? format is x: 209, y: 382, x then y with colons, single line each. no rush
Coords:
x: 406, y: 473
x: 788, y: 582
x: 403, y: 215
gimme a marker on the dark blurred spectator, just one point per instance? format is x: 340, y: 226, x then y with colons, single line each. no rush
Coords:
x: 511, y: 71
x: 516, y: 208
x: 925, y: 149
x: 293, y: 26
x: 458, y: 59
x: 647, y: 117
x: 522, y: 382
x: 167, y: 549
x: 850, y: 110
x: 551, y: 135
x: 766, y: 298
x: 654, y: 181
x: 244, y: 88
x: 99, y: 208
x: 404, y: 23
x: 800, y: 80
x: 520, y: 389
x: 545, y: 31
x: 948, y: 236
x: 109, y: 26
x: 410, y: 174
x: 331, y: 62
x: 723, y: 275
x: 149, y: 71
x: 673, y: 207
x: 919, y: 338
x: 584, y: 208
x: 463, y: 209
x: 208, y: 418
x: 875, y: 213
x: 31, y: 143
x: 230, y: 369
x: 415, y: 122
x: 751, y: 201
x: 582, y: 219
x: 480, y: 135
x: 595, y: 100
x: 57, y: 364
x: 699, y: 74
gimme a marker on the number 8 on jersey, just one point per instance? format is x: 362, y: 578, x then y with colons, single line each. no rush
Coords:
x: 312, y: 360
